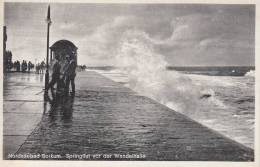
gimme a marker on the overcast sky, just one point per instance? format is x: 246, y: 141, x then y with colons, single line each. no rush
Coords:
x: 184, y: 34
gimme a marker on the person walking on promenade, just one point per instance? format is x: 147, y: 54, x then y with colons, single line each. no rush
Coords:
x: 70, y: 74
x: 55, y: 79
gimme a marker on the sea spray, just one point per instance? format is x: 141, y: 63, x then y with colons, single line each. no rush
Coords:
x: 148, y: 76
x: 251, y: 73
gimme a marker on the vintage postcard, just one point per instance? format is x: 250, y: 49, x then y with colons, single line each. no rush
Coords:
x: 128, y: 83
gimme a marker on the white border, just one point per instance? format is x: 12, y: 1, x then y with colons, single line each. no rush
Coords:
x: 256, y: 163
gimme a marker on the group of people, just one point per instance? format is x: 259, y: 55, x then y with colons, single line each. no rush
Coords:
x: 40, y: 67
x: 63, y: 77
x: 24, y: 66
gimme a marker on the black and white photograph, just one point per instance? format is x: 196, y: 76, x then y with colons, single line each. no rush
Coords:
x: 129, y: 81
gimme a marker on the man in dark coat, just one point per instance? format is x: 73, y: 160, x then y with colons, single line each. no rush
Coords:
x: 55, y: 76
x: 70, y: 73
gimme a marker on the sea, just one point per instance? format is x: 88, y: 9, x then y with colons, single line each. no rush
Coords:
x: 221, y: 98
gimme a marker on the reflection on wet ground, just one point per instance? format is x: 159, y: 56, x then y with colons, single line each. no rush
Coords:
x: 60, y: 109
x: 106, y: 118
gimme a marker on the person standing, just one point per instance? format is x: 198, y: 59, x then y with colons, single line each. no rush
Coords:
x: 29, y: 66
x: 23, y: 66
x: 70, y: 74
x: 37, y: 68
x: 42, y: 67
x: 55, y: 79
x: 15, y: 66
x: 18, y: 66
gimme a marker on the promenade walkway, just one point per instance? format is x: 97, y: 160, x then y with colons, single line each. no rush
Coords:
x: 105, y: 121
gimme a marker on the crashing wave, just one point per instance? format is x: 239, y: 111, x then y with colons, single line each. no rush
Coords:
x: 148, y: 76
x: 250, y: 73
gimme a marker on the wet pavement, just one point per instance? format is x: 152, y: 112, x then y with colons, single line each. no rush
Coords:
x: 22, y: 108
x: 104, y: 121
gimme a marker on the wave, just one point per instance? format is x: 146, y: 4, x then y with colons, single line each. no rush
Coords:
x: 250, y: 73
x: 148, y: 76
